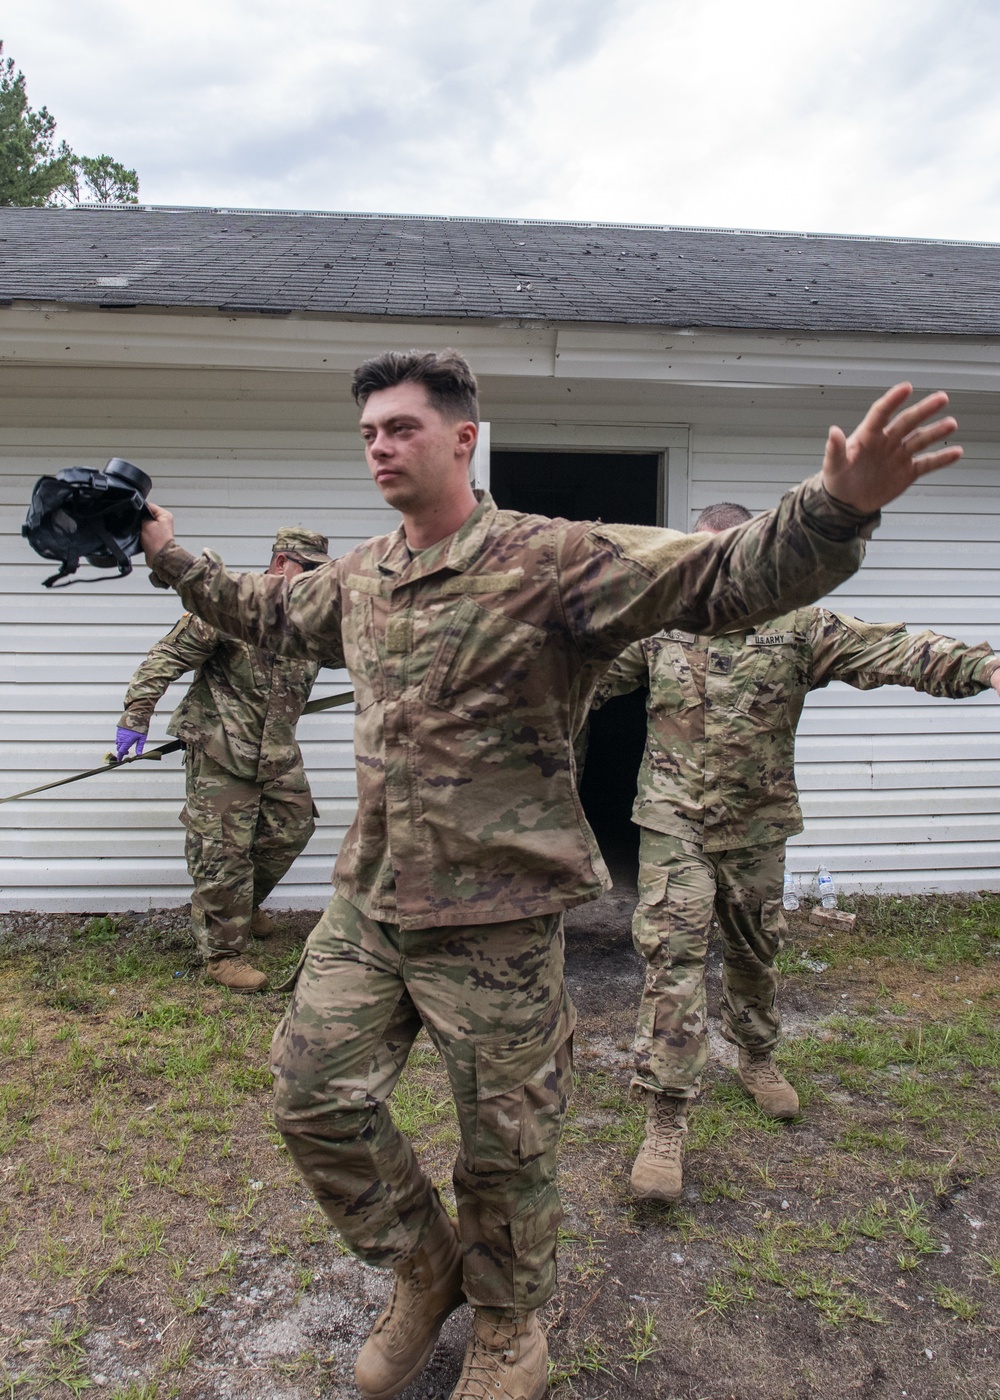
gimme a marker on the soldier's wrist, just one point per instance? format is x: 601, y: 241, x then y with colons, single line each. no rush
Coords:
x: 137, y: 724
x: 833, y: 518
x: 170, y: 565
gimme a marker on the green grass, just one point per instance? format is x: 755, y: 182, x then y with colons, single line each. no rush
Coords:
x: 133, y: 1107
x: 928, y: 932
x: 962, y: 1308
x: 589, y: 1357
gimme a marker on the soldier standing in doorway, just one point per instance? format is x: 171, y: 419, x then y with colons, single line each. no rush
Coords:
x: 248, y: 810
x: 474, y: 638
x: 716, y: 803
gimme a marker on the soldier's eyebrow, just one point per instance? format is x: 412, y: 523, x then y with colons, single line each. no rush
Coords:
x: 393, y: 421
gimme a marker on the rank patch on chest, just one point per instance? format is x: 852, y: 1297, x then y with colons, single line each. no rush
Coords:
x: 719, y: 665
x: 770, y: 639
x: 398, y: 633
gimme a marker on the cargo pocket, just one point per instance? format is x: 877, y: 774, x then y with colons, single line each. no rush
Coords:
x: 653, y: 891
x: 649, y: 924
x: 522, y: 1090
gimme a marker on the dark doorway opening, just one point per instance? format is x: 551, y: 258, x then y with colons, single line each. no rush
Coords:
x: 615, y: 486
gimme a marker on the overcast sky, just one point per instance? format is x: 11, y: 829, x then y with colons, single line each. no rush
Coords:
x: 864, y: 116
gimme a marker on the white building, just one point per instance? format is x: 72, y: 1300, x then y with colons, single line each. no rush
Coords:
x: 628, y: 372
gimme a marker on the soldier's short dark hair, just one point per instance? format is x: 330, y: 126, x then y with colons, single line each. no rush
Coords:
x: 722, y: 516
x: 446, y: 376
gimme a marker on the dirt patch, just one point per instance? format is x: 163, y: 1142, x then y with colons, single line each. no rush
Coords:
x: 156, y: 1241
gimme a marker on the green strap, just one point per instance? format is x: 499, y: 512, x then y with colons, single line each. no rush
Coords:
x: 111, y: 764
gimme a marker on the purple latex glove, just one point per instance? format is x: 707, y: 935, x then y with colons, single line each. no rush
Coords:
x: 125, y: 738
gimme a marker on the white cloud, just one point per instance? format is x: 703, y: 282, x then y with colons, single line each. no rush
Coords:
x: 870, y: 117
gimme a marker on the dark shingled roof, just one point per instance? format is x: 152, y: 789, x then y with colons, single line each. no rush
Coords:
x: 449, y: 269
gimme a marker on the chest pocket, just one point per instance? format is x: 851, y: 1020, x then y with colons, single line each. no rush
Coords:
x: 672, y: 681
x: 481, y: 663
x: 765, y: 683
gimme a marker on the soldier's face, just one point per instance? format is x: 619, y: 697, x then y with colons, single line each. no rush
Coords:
x: 416, y: 456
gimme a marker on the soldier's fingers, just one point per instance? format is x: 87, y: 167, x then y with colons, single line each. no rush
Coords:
x: 835, y: 457
x: 159, y: 513
x: 934, y: 461
x: 917, y: 413
x: 882, y: 410
x: 933, y: 432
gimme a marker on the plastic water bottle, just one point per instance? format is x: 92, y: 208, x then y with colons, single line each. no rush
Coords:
x: 789, y: 899
x: 826, y: 888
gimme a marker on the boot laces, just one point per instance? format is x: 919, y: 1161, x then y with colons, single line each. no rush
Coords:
x: 764, y: 1070
x: 398, y: 1313
x: 666, y: 1132
x: 485, y: 1365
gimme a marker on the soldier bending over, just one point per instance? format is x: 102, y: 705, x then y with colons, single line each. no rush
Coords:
x: 248, y: 809
x: 716, y: 802
x: 474, y: 638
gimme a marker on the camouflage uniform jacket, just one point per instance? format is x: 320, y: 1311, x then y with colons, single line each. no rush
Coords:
x: 722, y: 713
x: 474, y: 664
x: 242, y: 706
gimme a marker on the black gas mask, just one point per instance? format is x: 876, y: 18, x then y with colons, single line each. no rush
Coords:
x: 81, y: 513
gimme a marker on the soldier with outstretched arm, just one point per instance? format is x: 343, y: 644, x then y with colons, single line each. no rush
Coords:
x: 715, y: 805
x: 474, y: 638
x: 248, y: 812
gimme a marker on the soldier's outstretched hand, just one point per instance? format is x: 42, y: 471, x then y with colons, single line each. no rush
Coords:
x: 888, y: 450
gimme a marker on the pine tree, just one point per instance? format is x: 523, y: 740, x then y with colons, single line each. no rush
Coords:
x: 34, y: 170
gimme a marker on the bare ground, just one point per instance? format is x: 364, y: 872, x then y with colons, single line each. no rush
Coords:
x: 156, y: 1242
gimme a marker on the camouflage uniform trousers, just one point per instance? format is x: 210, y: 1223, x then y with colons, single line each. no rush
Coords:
x: 242, y: 837
x: 680, y: 887
x: 493, y: 1001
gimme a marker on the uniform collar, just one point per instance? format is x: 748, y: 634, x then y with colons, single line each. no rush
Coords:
x: 455, y: 552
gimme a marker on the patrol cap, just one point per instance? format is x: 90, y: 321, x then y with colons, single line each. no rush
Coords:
x: 302, y: 544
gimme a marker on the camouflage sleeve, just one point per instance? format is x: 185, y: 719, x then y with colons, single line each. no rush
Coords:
x: 184, y: 648
x: 870, y: 654
x: 622, y: 582
x: 627, y: 672
x: 302, y: 621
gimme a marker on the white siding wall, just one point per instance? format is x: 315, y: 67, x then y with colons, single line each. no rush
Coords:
x: 900, y: 791
x: 114, y: 842
x: 246, y: 424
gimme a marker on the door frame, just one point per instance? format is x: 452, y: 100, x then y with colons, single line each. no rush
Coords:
x: 670, y: 441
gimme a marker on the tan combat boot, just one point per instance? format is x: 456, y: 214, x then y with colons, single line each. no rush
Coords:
x: 657, y: 1173
x: 428, y: 1287
x: 262, y: 925
x: 761, y: 1077
x: 505, y: 1360
x: 236, y: 974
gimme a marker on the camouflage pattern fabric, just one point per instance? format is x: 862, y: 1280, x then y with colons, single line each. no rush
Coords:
x: 716, y: 800
x: 680, y: 887
x: 723, y: 710
x: 301, y: 544
x: 242, y: 706
x: 242, y: 838
x: 493, y: 1001
x: 474, y: 663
